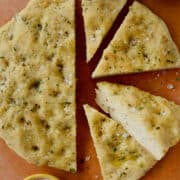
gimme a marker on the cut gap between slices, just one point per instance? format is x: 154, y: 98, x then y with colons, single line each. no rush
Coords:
x: 83, y: 135
x: 109, y: 36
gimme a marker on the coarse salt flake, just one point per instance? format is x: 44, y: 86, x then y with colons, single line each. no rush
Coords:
x: 132, y: 109
x: 87, y: 158
x: 170, y: 86
x: 125, y: 135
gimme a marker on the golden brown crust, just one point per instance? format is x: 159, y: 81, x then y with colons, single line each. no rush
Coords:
x: 142, y: 43
x: 119, y: 154
x: 152, y: 120
x: 98, y: 18
x: 37, y: 92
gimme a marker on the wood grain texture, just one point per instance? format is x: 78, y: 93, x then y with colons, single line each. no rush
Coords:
x: 13, y: 167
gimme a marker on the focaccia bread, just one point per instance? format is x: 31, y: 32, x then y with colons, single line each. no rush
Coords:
x: 119, y: 154
x: 37, y: 87
x: 98, y: 18
x: 152, y: 120
x: 142, y: 43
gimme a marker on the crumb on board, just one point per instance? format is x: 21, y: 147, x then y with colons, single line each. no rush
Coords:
x: 87, y: 158
x: 83, y: 160
x: 170, y: 86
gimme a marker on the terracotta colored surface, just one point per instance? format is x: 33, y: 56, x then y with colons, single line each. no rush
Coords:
x: 14, y: 168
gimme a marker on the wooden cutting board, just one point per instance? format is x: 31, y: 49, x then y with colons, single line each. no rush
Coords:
x: 13, y: 167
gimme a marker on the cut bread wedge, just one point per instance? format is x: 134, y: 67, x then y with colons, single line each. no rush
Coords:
x: 152, y: 120
x: 98, y: 18
x: 142, y: 43
x: 119, y: 154
x: 37, y: 92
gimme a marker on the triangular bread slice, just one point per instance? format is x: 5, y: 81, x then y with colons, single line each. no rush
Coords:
x: 119, y: 154
x: 98, y: 18
x: 142, y: 43
x: 37, y: 91
x: 152, y: 120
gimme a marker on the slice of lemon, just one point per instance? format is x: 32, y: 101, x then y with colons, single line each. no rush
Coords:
x: 41, y: 177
